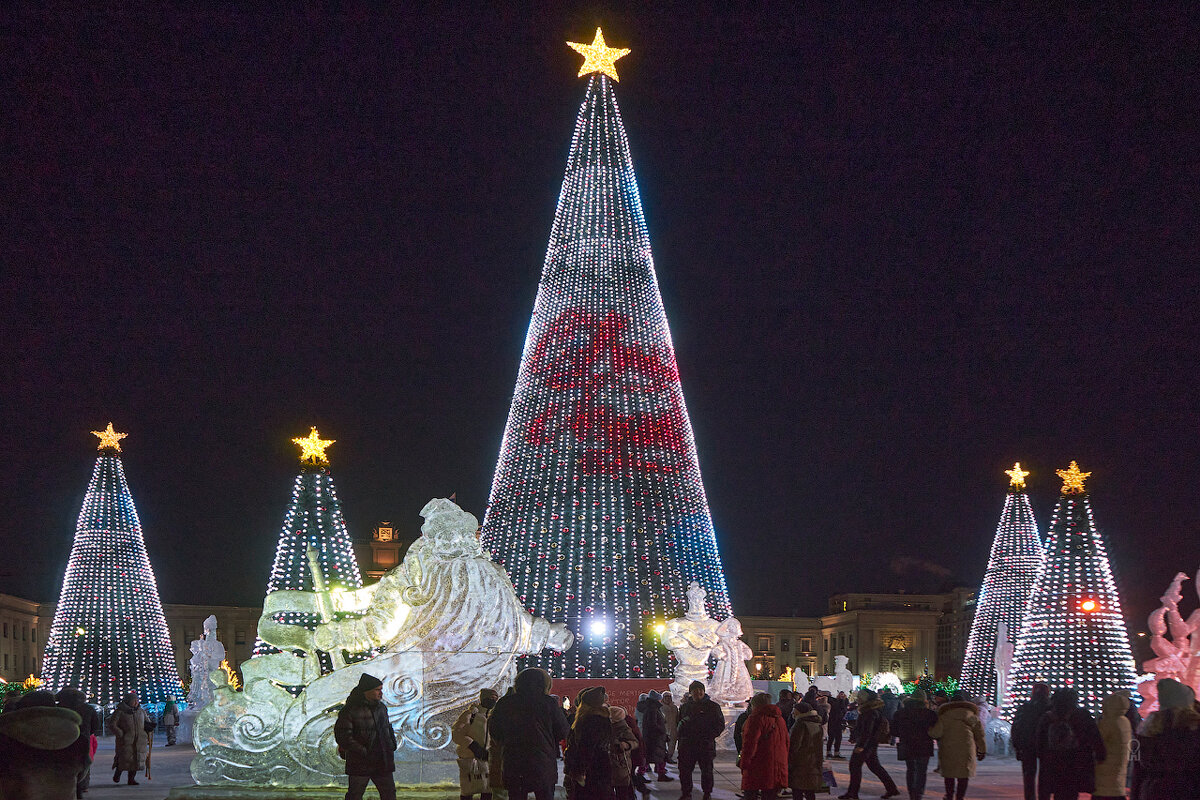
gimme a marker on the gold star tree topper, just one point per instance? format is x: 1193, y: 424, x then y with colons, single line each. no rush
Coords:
x: 1016, y: 476
x: 312, y: 448
x: 109, y: 439
x: 598, y: 57
x: 1072, y: 479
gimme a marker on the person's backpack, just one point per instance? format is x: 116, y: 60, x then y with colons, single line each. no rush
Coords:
x: 883, y: 734
x: 1060, y: 735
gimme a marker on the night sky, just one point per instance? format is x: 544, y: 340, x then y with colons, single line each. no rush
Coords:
x: 899, y: 250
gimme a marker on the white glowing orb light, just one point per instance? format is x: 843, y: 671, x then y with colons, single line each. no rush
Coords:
x: 598, y: 627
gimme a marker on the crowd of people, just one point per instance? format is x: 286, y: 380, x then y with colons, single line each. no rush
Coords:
x: 510, y: 745
x: 1063, y: 751
x: 48, y: 742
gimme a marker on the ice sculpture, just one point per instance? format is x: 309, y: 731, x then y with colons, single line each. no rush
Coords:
x: 842, y: 680
x: 731, y: 679
x: 1179, y: 656
x: 436, y: 629
x: 207, y: 655
x: 692, y: 638
x: 1003, y: 660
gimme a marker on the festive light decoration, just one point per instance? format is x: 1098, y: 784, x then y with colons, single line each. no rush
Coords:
x: 597, y: 509
x: 598, y: 57
x: 312, y: 448
x: 1012, y: 567
x: 1016, y: 476
x: 313, y: 523
x: 109, y: 636
x: 235, y: 682
x: 1074, y: 633
x: 109, y: 439
x: 1072, y: 479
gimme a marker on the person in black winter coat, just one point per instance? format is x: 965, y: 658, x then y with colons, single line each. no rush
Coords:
x: 787, y: 701
x: 89, y: 726
x: 866, y: 746
x: 366, y: 740
x: 1068, y: 746
x: 700, y: 723
x: 910, y: 725
x: 1024, y: 735
x: 738, y: 725
x: 837, y: 721
x: 529, y: 724
x: 587, y: 762
x: 654, y: 733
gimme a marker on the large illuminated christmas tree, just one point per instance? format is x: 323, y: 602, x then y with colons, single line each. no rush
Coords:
x: 1012, y: 567
x: 1074, y: 633
x: 109, y: 636
x: 314, y: 551
x: 597, y: 508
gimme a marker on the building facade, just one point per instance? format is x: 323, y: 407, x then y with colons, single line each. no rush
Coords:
x: 22, y: 630
x: 907, y: 634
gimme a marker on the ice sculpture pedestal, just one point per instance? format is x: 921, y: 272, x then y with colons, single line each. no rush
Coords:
x: 725, y: 740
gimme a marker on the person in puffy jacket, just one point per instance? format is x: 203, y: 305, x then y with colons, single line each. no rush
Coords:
x: 914, y: 746
x: 470, y: 736
x: 700, y: 723
x: 529, y: 724
x: 128, y: 724
x: 960, y: 743
x: 366, y: 740
x: 804, y: 753
x: 836, y: 724
x: 764, y: 759
x: 1116, y: 733
x: 624, y: 743
x: 654, y: 733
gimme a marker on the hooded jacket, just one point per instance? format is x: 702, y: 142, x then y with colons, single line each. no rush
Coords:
x: 1025, y: 725
x: 866, y: 727
x: 365, y: 736
x: 529, y: 724
x: 653, y: 727
x: 624, y: 744
x: 960, y: 739
x: 128, y: 725
x: 700, y: 723
x: 764, y: 750
x: 911, y: 726
x: 587, y: 760
x: 804, y: 753
x: 1116, y: 734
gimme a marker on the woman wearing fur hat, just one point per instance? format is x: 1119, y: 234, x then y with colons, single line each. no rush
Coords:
x: 366, y: 740
x: 960, y: 743
x: 588, y: 758
x: 128, y: 724
x: 1168, y: 763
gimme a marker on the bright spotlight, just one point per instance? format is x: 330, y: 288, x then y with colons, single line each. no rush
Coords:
x: 598, y: 627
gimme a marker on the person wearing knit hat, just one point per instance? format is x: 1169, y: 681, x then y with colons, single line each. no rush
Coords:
x: 470, y: 735
x: 366, y: 740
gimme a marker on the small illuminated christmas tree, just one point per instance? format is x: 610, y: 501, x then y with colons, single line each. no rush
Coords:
x: 1074, y: 633
x: 109, y: 636
x: 313, y: 522
x: 1013, y: 565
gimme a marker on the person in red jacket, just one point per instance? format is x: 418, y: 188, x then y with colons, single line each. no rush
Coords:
x: 764, y: 759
